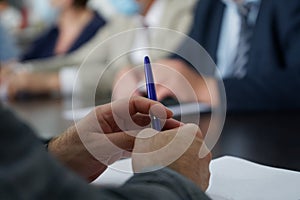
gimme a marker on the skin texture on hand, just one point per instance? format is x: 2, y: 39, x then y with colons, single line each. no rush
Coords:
x: 106, y: 134
x: 178, y: 149
x: 70, y: 151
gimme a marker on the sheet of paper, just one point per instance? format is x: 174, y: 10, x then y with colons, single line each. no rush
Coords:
x: 116, y: 174
x: 183, y: 109
x: 231, y: 179
x: 238, y: 179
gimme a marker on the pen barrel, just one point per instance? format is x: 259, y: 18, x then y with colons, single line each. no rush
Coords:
x: 155, y: 123
x: 151, y: 92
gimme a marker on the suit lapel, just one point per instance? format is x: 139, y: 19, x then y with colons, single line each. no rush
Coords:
x: 262, y: 22
x: 213, y: 23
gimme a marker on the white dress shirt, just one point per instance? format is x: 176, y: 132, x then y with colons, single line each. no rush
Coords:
x: 152, y: 19
x: 229, y: 38
x: 67, y: 79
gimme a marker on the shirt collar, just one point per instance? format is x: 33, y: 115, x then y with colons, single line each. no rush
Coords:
x: 231, y: 2
x: 153, y: 16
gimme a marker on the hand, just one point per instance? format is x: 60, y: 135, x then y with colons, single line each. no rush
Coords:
x: 106, y: 134
x: 182, y: 150
x: 33, y: 83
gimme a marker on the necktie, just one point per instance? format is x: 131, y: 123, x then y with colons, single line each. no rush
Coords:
x: 248, y: 13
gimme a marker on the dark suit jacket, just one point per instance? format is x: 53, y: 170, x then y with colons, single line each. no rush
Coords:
x: 28, y: 172
x: 273, y: 70
x: 44, y: 46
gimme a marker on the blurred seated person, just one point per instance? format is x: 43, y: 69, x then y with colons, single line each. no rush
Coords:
x: 8, y: 56
x: 8, y: 49
x: 50, y: 75
x: 10, y: 17
x: 86, y: 150
x: 76, y: 25
x: 255, y: 44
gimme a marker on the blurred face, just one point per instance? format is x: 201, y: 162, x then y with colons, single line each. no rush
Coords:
x: 144, y: 4
x: 132, y: 7
x: 61, y: 4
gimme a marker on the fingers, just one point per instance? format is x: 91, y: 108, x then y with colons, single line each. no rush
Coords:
x: 142, y: 120
x: 172, y: 124
x: 131, y: 114
x: 162, y: 149
x: 143, y: 105
x: 126, y: 108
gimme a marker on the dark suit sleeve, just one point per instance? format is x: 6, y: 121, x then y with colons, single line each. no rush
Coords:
x: 275, y: 85
x: 191, y: 50
x: 162, y: 184
x: 27, y: 171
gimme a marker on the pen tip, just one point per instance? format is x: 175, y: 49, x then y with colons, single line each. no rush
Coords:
x: 147, y: 60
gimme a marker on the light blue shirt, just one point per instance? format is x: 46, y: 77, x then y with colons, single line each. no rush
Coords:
x: 229, y: 37
x: 8, y: 49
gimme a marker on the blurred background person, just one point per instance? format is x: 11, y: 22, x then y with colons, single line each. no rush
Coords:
x: 170, y: 14
x: 8, y: 56
x: 10, y: 16
x: 76, y: 24
x: 8, y: 48
x: 255, y: 44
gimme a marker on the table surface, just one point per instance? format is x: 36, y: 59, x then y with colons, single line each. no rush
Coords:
x: 267, y: 138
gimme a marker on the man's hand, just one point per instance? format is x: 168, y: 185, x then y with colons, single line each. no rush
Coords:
x: 181, y: 149
x: 106, y: 134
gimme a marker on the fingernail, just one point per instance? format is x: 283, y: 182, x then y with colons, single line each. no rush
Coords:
x: 169, y: 110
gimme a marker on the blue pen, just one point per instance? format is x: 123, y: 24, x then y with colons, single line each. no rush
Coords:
x: 151, y: 93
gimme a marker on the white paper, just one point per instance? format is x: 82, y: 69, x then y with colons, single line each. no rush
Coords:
x: 238, y: 179
x: 116, y: 174
x: 231, y: 179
